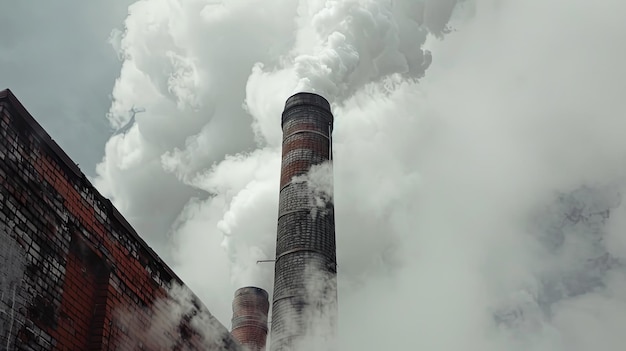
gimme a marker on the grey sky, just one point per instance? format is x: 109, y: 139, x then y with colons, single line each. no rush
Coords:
x: 55, y: 57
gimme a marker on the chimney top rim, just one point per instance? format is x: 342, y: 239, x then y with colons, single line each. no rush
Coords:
x: 251, y: 290
x: 307, y: 98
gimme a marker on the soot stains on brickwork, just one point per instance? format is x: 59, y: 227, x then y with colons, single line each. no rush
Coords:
x: 74, y: 275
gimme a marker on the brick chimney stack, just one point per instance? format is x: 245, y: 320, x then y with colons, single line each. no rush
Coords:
x: 305, y: 295
x: 249, y: 323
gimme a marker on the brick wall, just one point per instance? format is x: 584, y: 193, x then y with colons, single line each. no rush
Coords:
x: 74, y: 275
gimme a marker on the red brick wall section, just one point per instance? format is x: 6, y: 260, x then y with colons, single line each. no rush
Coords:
x: 73, y: 274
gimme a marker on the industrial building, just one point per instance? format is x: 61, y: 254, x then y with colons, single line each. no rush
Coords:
x: 74, y: 275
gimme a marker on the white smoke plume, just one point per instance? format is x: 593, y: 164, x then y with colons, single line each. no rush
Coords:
x: 183, y: 324
x: 318, y: 183
x: 476, y: 197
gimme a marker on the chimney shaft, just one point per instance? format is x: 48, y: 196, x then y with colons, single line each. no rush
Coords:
x: 305, y: 294
x: 249, y: 323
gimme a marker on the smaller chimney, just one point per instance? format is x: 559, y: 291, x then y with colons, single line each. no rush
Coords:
x: 249, y: 323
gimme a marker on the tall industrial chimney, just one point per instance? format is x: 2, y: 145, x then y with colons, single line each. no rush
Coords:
x: 249, y: 323
x: 305, y: 294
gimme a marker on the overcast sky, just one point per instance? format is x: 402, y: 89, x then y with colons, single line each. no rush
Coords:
x: 479, y: 151
x: 56, y: 58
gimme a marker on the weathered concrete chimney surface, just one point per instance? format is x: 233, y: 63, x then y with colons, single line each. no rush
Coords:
x: 305, y: 244
x: 249, y: 323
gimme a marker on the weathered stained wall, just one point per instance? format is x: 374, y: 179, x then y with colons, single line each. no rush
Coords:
x: 74, y: 275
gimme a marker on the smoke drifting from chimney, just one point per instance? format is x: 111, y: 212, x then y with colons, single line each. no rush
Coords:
x: 434, y: 179
x: 249, y: 323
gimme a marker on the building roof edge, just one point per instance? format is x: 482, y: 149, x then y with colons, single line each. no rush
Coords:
x: 73, y: 169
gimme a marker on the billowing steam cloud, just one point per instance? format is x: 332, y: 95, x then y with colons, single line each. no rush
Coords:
x: 477, y: 197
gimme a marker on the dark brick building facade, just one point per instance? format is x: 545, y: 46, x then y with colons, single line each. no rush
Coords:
x: 74, y: 275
